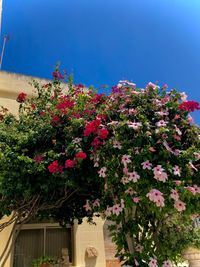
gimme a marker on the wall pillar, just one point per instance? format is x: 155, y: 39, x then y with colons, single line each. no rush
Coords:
x: 88, y: 244
x: 193, y: 257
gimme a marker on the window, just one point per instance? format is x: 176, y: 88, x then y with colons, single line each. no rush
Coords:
x: 37, y: 240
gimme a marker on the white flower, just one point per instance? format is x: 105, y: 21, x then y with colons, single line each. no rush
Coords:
x: 183, y: 96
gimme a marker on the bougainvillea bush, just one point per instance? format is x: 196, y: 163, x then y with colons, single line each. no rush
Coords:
x: 132, y: 156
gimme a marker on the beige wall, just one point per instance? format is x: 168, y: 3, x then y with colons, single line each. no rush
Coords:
x: 84, y: 235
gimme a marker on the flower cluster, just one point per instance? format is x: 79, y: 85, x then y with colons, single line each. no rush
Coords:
x: 133, y: 156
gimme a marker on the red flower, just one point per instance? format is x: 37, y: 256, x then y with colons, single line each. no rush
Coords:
x: 70, y: 163
x: 38, y: 158
x: 33, y: 106
x: 21, y: 97
x: 103, y: 133
x: 98, y: 98
x: 55, y: 120
x: 79, y: 86
x: 91, y: 127
x: 65, y: 103
x: 81, y: 155
x: 189, y: 106
x: 54, y: 167
x: 96, y: 142
x: 42, y: 113
x: 57, y: 75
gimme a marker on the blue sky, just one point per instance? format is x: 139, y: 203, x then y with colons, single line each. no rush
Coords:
x: 103, y: 41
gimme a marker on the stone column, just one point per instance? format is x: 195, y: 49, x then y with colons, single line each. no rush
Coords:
x: 193, y: 257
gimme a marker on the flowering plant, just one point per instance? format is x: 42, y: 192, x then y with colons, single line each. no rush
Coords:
x: 149, y: 166
x: 132, y: 156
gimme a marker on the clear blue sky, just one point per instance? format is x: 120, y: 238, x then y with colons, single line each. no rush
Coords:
x: 102, y: 41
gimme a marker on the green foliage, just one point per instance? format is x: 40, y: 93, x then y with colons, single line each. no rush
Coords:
x: 44, y: 259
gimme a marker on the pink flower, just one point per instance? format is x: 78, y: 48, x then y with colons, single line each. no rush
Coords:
x: 116, y: 209
x: 162, y: 113
x: 166, y: 145
x: 130, y: 191
x: 190, y: 119
x: 136, y: 262
x: 108, y: 211
x: 197, y: 155
x: 136, y: 199
x: 176, y: 170
x: 125, y: 170
x: 174, y: 195
x: 151, y: 85
x: 161, y: 123
x: 167, y: 263
x: 152, y: 149
x: 102, y: 172
x: 126, y: 159
x: 96, y: 203
x: 159, y: 173
x: 146, y: 165
x: 193, y: 189
x: 179, y: 205
x: 132, y: 111
x: 156, y: 196
x: 133, y: 176
x: 192, y: 166
x: 134, y: 125
x: 116, y: 144
x: 178, y: 130
x: 178, y: 182
x: 153, y: 262
x: 87, y: 206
